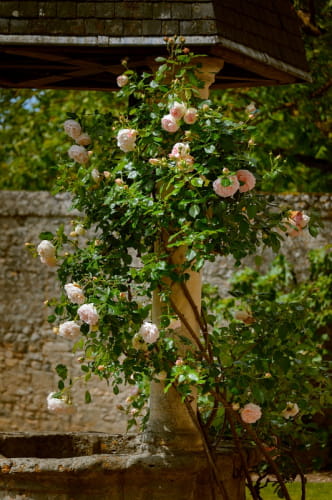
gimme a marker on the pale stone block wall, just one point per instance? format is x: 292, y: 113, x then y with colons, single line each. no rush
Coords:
x: 29, y: 350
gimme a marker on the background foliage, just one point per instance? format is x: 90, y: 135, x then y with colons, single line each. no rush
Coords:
x: 293, y: 121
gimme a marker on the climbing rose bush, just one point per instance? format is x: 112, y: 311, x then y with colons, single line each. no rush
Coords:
x: 167, y: 174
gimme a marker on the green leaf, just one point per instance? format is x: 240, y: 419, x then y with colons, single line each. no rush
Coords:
x: 88, y: 398
x: 62, y: 371
x: 197, y: 182
x: 190, y: 255
x: 210, y: 149
x: 46, y: 235
x: 194, y: 210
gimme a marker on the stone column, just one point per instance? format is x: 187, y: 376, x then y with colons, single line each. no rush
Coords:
x: 170, y: 422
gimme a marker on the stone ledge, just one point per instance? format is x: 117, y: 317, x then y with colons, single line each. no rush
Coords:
x: 124, y: 474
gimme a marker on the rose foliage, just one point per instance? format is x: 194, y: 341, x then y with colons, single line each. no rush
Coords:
x: 166, y: 170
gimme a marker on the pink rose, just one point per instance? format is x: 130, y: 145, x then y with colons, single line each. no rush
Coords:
x: 244, y: 316
x: 72, y: 128
x: 296, y: 222
x: 138, y: 343
x: 79, y: 154
x: 169, y: 123
x: 291, y: 410
x: 250, y: 413
x: 88, y: 313
x: 74, y: 293
x: 58, y: 405
x: 78, y: 231
x: 149, y: 332
x: 177, y: 110
x: 122, y: 80
x: 186, y: 161
x: 247, y: 180
x: 83, y: 139
x: 190, y: 116
x: 96, y: 175
x: 154, y: 161
x: 180, y: 150
x: 251, y: 108
x: 46, y: 252
x: 161, y: 376
x: 225, y: 191
x: 126, y: 139
x: 70, y: 330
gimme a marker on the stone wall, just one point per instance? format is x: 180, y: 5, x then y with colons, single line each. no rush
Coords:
x: 29, y: 350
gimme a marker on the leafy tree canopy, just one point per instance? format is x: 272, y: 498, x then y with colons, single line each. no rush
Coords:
x: 292, y: 121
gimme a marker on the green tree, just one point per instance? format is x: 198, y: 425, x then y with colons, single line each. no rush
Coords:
x: 294, y: 121
x: 31, y: 122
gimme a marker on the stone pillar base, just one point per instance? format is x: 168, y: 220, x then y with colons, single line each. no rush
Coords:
x: 88, y: 466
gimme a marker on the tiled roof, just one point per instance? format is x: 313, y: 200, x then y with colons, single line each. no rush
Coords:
x: 259, y: 39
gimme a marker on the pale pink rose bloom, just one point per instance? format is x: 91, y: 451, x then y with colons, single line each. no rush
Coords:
x: 187, y: 159
x: 83, y: 139
x: 70, y: 330
x: 251, y: 108
x: 250, y: 413
x: 177, y: 110
x: 79, y: 154
x: 74, y: 293
x: 72, y: 128
x: 133, y: 392
x: 139, y: 343
x: 247, y: 180
x: 180, y: 150
x: 225, y: 191
x: 96, y: 175
x: 169, y: 123
x: 126, y: 139
x: 244, y: 316
x: 149, y: 332
x: 291, y: 410
x: 88, y: 313
x: 58, y: 406
x: 296, y: 222
x: 190, y: 116
x: 122, y: 80
x: 154, y: 161
x: 161, y: 376
x: 78, y: 231
x: 46, y: 252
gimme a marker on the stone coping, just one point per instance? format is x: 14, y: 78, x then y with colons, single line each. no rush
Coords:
x: 84, y: 453
x: 44, y: 204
